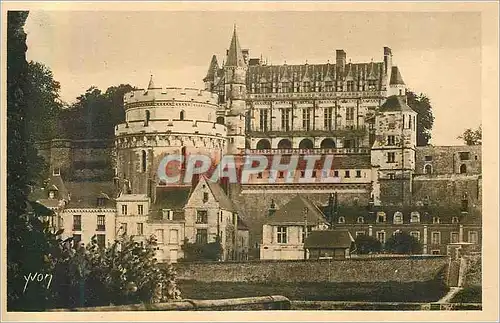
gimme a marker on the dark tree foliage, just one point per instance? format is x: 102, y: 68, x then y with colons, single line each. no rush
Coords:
x: 403, y: 243
x: 422, y: 105
x: 202, y: 252
x: 472, y: 137
x: 29, y: 241
x: 95, y: 114
x: 367, y: 244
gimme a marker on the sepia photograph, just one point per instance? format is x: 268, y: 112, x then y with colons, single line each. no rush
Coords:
x: 236, y: 159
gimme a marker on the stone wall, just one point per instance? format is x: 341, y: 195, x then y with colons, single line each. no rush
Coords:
x: 447, y: 159
x: 410, y: 269
x: 79, y: 160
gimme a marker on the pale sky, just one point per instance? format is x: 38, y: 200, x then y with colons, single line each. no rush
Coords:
x: 439, y: 54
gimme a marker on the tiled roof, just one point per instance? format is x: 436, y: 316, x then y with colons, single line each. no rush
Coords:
x: 395, y: 103
x: 235, y: 56
x: 328, y: 239
x: 293, y: 212
x: 396, y: 77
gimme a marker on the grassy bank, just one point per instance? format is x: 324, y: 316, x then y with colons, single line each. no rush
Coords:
x: 372, y: 292
x: 472, y: 294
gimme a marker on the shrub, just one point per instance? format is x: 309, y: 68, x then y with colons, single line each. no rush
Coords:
x: 125, y: 272
x: 403, y: 243
x: 367, y: 244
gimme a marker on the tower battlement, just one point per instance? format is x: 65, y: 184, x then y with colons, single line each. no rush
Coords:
x: 169, y: 94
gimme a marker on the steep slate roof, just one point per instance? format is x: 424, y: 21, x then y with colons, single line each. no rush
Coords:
x: 396, y: 77
x: 315, y: 72
x: 174, y: 198
x: 328, y: 239
x: 395, y: 103
x: 220, y: 196
x: 234, y: 55
x: 85, y: 194
x: 293, y: 212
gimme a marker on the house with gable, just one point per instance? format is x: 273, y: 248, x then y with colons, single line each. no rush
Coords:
x: 285, y: 229
x: 210, y: 214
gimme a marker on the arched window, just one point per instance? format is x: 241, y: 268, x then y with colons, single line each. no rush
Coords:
x: 428, y: 169
x: 143, y: 161
x: 146, y: 119
x: 361, y: 219
x: 435, y: 220
x: 263, y: 144
x: 327, y: 143
x: 284, y: 144
x: 463, y: 169
x: 306, y: 144
x: 341, y: 219
x: 182, y: 115
x: 454, y: 219
x: 220, y: 120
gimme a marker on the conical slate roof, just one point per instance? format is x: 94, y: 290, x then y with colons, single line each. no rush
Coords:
x: 396, y: 77
x: 234, y: 55
x: 396, y: 103
x: 151, y: 84
x: 212, y: 69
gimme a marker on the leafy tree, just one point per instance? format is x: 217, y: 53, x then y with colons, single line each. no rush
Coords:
x: 43, y: 102
x: 472, y: 137
x: 422, y: 105
x: 403, y: 243
x: 30, y: 242
x: 95, y: 114
x: 367, y: 244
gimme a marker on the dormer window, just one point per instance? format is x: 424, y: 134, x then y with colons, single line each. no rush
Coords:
x: 435, y: 220
x: 380, y: 217
x: 341, y: 219
x: 454, y: 219
x: 52, y: 194
x: 398, y: 218
x: 101, y: 201
x: 414, y: 217
x: 361, y: 219
x: 56, y: 171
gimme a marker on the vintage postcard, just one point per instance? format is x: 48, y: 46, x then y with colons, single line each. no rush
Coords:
x: 224, y: 161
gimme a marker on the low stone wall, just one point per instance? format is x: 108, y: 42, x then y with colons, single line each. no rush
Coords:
x: 409, y: 269
x: 382, y: 306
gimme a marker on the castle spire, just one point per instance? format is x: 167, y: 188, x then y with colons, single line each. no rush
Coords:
x: 235, y: 55
x: 151, y: 84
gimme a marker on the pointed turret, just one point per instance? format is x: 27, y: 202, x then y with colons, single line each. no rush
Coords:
x: 212, y: 69
x: 234, y: 54
x: 151, y: 84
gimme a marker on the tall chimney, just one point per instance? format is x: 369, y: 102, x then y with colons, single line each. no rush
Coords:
x: 340, y: 59
x: 387, y: 60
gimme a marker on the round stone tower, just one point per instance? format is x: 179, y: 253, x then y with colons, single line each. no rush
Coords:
x: 165, y: 121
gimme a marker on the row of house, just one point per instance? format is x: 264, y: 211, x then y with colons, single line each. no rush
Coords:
x: 198, y: 214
